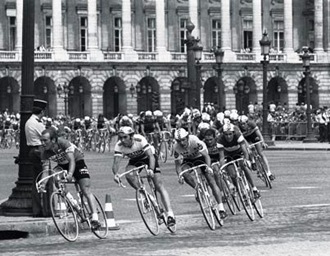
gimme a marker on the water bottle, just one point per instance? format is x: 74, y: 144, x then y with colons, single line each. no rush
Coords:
x: 72, y: 200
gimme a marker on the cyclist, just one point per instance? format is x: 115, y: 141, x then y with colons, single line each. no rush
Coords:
x: 233, y: 146
x: 139, y: 152
x: 126, y: 121
x: 71, y: 158
x: 252, y: 135
x: 190, y: 151
x: 184, y: 121
x: 196, y: 120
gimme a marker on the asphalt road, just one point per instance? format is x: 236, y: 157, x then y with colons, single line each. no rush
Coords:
x: 296, y: 222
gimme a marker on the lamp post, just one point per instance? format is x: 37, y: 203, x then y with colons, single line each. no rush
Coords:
x: 63, y: 92
x: 265, y: 47
x: 218, y: 53
x: 191, y: 42
x: 198, y: 52
x: 306, y: 63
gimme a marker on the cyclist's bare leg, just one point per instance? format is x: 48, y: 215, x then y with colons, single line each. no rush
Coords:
x: 132, y: 178
x: 159, y: 186
x: 85, y: 185
x: 215, y: 189
x: 249, y: 176
x: 188, y: 178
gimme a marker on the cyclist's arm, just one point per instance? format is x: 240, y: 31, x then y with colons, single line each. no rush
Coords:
x: 142, y: 129
x: 206, y: 157
x: 177, y: 166
x: 115, y: 164
x: 244, y: 150
x: 72, y: 163
x: 152, y: 161
x: 157, y: 126
x: 222, y: 157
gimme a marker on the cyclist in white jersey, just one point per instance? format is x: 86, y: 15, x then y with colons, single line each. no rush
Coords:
x: 139, y: 152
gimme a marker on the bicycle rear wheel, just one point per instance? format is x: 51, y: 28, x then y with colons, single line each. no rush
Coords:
x: 64, y: 216
x: 102, y: 231
x: 245, y: 199
x: 206, y: 207
x: 163, y: 151
x: 227, y: 195
x: 147, y: 211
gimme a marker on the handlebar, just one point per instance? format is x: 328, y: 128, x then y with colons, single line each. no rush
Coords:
x: 39, y: 183
x: 136, y: 169
x: 231, y: 162
x: 254, y: 144
x: 194, y: 168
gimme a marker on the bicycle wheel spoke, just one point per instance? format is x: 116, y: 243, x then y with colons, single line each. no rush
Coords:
x: 227, y: 196
x: 245, y: 200
x: 102, y: 231
x: 147, y: 212
x: 64, y: 217
x: 206, y: 208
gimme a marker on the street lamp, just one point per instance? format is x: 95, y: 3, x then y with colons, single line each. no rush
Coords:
x: 265, y: 48
x: 306, y: 58
x: 63, y: 92
x: 198, y: 52
x: 191, y: 43
x: 218, y: 53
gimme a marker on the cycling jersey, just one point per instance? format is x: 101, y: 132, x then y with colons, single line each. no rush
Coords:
x: 249, y: 131
x: 195, y: 147
x: 232, y: 147
x: 149, y: 124
x: 136, y: 151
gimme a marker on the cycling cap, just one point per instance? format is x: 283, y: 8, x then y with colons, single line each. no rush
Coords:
x: 220, y: 116
x: 226, y: 121
x: 126, y: 130
x: 158, y: 113
x: 227, y: 113
x: 196, y: 112
x: 87, y: 118
x: 186, y: 112
x: 77, y: 120
x: 130, y: 116
x: 203, y: 126
x: 148, y: 113
x: 180, y: 134
x: 228, y: 127
x: 125, y: 118
x: 206, y: 117
x: 233, y: 116
x: 243, y: 118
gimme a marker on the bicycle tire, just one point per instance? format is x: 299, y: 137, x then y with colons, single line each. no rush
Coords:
x: 256, y: 203
x: 206, y: 207
x: 163, y: 151
x: 101, y: 232
x: 245, y: 199
x: 64, y: 216
x: 262, y: 173
x: 161, y: 215
x: 147, y: 211
x: 229, y: 198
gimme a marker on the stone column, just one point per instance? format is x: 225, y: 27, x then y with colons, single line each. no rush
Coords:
x: 318, y: 26
x: 59, y: 53
x: 288, y: 35
x: 19, y: 25
x: 193, y: 14
x: 127, y: 48
x: 226, y: 30
x: 257, y: 29
x: 160, y: 31
x: 327, y: 25
x: 95, y: 52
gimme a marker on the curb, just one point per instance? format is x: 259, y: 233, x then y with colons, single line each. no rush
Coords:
x: 297, y: 149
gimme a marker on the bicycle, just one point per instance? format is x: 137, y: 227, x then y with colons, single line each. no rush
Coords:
x: 205, y: 199
x: 67, y: 211
x: 163, y: 145
x: 244, y: 190
x: 260, y: 165
x: 228, y: 189
x: 149, y: 206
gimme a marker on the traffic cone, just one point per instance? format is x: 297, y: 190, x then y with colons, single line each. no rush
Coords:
x: 109, y: 214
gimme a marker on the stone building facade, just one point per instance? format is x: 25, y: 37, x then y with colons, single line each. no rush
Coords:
x: 127, y: 56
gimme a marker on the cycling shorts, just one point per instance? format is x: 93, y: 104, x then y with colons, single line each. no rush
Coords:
x: 145, y: 161
x: 80, y: 172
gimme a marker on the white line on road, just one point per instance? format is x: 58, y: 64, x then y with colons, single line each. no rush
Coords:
x: 301, y: 187
x: 310, y: 205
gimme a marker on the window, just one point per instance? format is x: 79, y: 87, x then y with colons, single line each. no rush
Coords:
x: 151, y: 34
x: 118, y: 34
x: 48, y: 32
x: 216, y: 33
x: 12, y: 33
x: 278, y: 40
x: 183, y: 35
x: 247, y: 35
x: 83, y: 33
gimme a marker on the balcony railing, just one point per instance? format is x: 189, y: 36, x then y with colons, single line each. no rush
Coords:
x: 113, y: 55
x: 245, y: 56
x: 274, y: 57
x: 82, y: 56
x: 147, y: 55
x: 179, y: 56
x: 9, y: 56
x: 43, y: 55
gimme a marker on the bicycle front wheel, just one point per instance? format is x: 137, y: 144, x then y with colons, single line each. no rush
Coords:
x: 262, y: 173
x: 163, y: 151
x: 147, y: 211
x: 227, y: 195
x: 245, y: 199
x: 206, y: 207
x: 64, y: 216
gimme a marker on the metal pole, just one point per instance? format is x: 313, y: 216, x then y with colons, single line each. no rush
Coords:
x: 220, y: 88
x: 20, y: 201
x: 309, y: 137
x: 265, y: 103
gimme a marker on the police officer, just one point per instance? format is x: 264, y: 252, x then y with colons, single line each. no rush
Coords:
x: 33, y: 130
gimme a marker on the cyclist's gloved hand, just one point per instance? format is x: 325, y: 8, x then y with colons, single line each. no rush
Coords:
x: 264, y: 145
x: 181, y: 180
x: 117, y: 178
x: 150, y: 172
